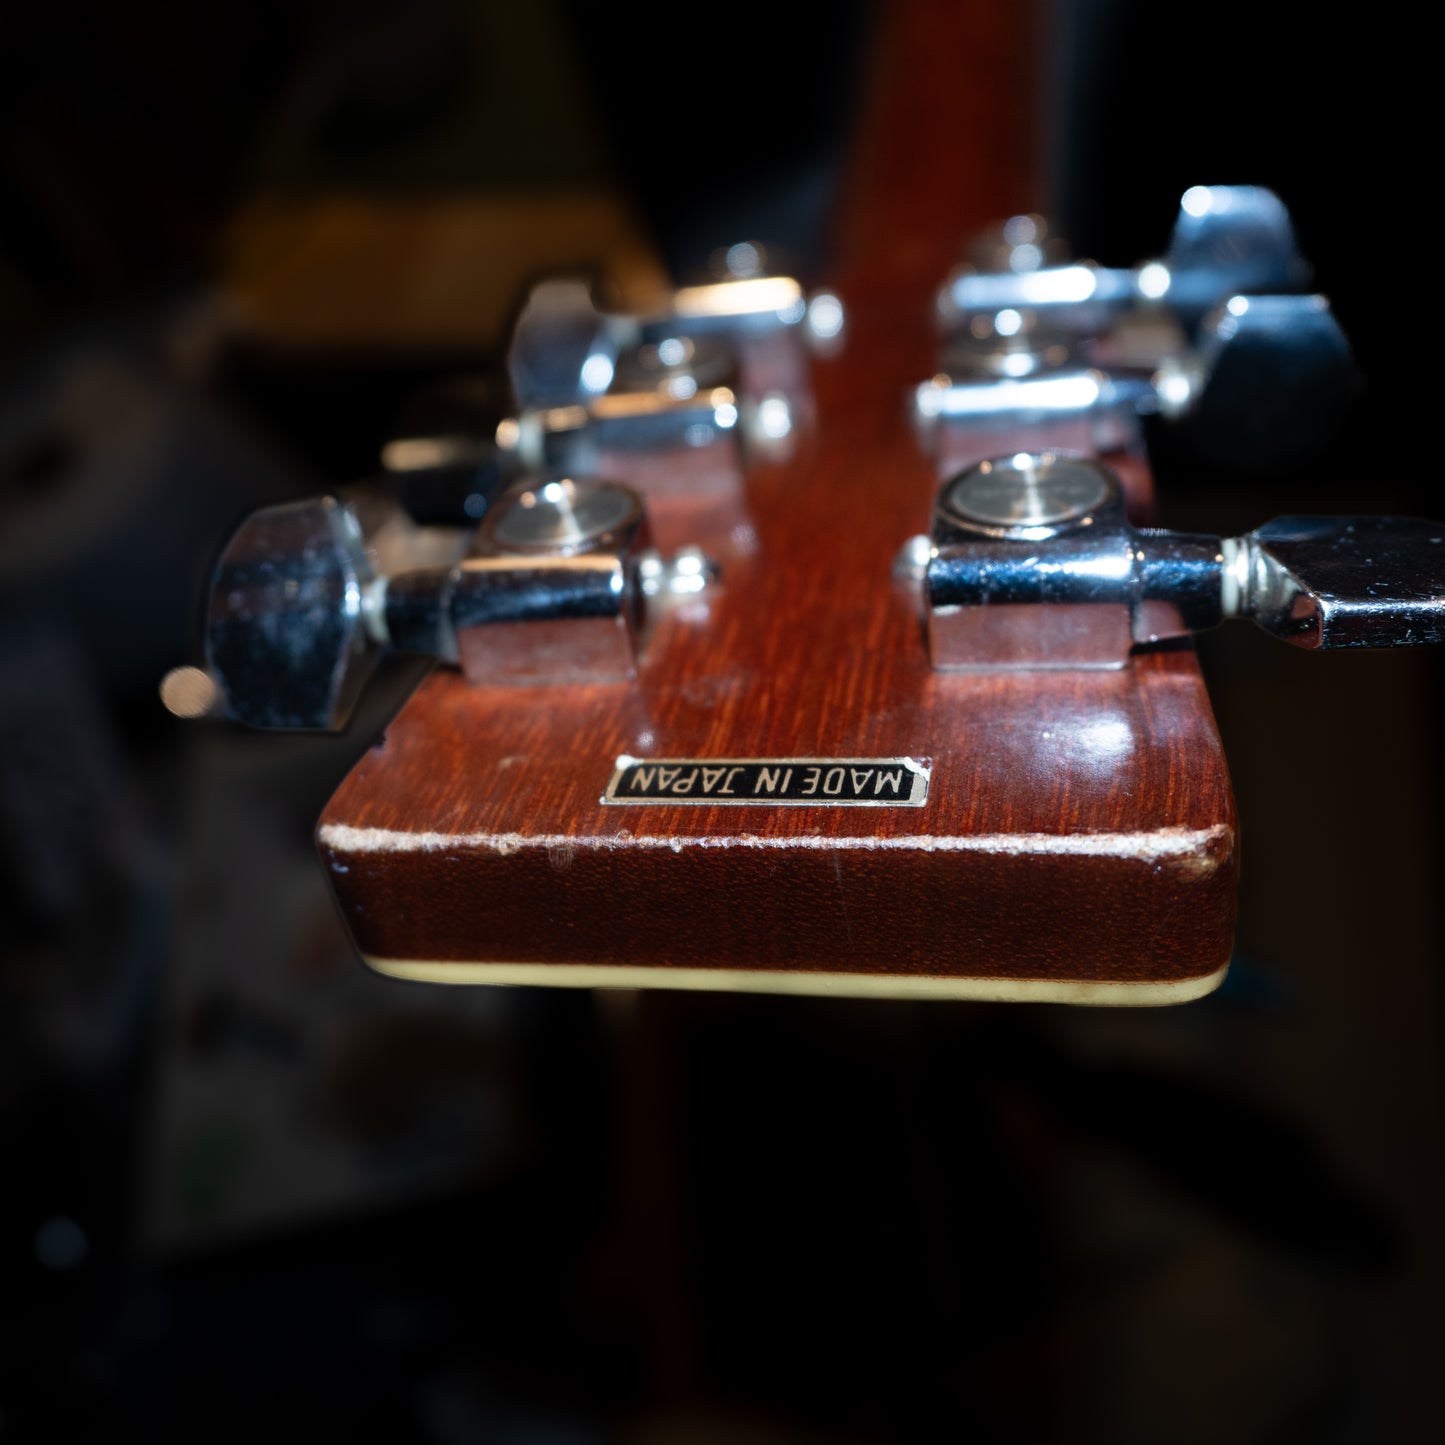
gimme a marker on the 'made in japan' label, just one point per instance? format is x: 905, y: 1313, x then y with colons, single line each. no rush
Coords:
x: 776, y: 782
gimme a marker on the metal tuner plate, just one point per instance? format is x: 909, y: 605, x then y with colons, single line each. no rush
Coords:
x: 549, y: 593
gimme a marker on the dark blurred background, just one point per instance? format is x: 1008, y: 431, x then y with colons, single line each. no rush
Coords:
x: 250, y: 1191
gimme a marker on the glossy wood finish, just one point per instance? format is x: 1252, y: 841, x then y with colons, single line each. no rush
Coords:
x: 1079, y: 838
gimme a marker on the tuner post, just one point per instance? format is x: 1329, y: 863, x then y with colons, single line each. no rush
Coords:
x: 550, y: 593
x: 1031, y: 566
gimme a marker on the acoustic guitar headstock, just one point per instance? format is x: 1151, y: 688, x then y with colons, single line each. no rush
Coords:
x: 784, y: 655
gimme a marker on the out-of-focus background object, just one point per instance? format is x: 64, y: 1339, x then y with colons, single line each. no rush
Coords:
x: 250, y: 1189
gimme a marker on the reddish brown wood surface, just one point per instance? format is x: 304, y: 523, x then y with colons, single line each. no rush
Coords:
x: 1079, y: 827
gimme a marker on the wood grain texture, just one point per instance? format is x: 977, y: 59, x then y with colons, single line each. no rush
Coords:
x: 1079, y: 838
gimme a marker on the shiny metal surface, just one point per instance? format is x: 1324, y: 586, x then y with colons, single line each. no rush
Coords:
x: 655, y: 438
x: 574, y: 440
x: 1018, y: 366
x: 716, y: 370
x: 1268, y: 380
x: 535, y: 621
x: 1278, y: 374
x: 827, y: 322
x: 548, y: 592
x: 566, y: 345
x: 1026, y: 495
x: 1076, y: 391
x: 1080, y: 295
x: 1034, y: 565
x: 1226, y: 239
x: 1021, y: 243
x: 1006, y: 343
x: 679, y: 365
x: 738, y: 304
x: 563, y: 348
x: 562, y: 516
x: 286, y: 638
x: 551, y: 591
x: 1347, y: 581
x: 1230, y: 239
x: 413, y: 612
x: 910, y: 562
x: 306, y: 595
x: 747, y: 295
x: 686, y: 573
x: 1031, y: 567
x: 1179, y: 584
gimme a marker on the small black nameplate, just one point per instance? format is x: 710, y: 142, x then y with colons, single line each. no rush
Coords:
x: 787, y: 782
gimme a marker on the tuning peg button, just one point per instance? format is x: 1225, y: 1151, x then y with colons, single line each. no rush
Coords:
x: 563, y: 349
x: 286, y: 636
x: 1226, y: 240
x: 1322, y: 582
x: 1276, y: 378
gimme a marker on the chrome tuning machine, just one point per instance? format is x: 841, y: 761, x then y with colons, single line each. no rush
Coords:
x: 590, y: 387
x: 1227, y: 240
x: 720, y: 356
x: 1032, y: 342
x: 1265, y: 376
x: 556, y: 586
x: 744, y: 297
x: 1031, y: 563
x: 701, y: 384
